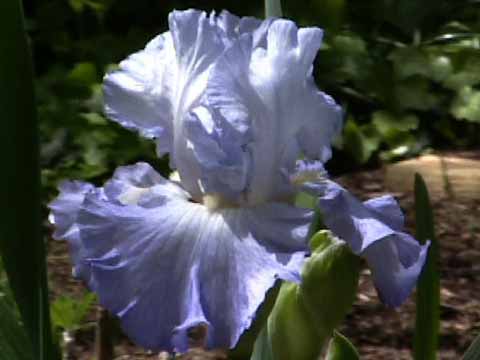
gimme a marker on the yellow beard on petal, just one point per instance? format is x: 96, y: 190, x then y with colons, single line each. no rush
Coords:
x: 215, y: 202
x: 307, y: 176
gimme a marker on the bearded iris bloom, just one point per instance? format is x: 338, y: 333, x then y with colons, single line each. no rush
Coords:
x: 234, y: 104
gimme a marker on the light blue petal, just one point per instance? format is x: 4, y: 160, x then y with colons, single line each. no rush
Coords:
x: 386, y: 208
x: 373, y: 229
x: 394, y: 278
x: 234, y: 27
x: 265, y: 99
x: 218, y: 148
x: 232, y: 99
x: 349, y: 218
x: 140, y: 95
x: 155, y: 88
x: 164, y: 264
x: 198, y: 42
x: 228, y: 23
x: 220, y: 131
x: 140, y: 184
x: 64, y: 211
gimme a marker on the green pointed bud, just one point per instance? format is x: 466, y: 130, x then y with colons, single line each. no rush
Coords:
x: 305, y: 316
x: 340, y: 348
x: 329, y: 282
x: 291, y: 332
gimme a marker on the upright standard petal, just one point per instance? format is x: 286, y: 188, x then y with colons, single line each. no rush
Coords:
x: 281, y: 74
x: 232, y: 99
x: 265, y: 100
x: 233, y: 27
x: 154, y: 88
x: 374, y: 230
x: 140, y: 95
x: 164, y: 264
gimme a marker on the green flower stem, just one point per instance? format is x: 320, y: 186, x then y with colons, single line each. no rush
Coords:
x: 273, y: 8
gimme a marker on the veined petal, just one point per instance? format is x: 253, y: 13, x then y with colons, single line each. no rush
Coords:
x: 140, y: 95
x: 281, y: 74
x: 64, y: 211
x: 194, y: 34
x: 234, y: 26
x: 139, y: 184
x: 373, y: 230
x: 220, y: 131
x: 394, y: 278
x: 253, y: 78
x: 198, y: 43
x: 218, y: 149
x: 164, y: 264
x: 349, y: 218
x: 267, y: 98
x: 155, y: 88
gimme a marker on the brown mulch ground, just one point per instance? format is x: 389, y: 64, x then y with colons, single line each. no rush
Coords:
x: 377, y: 332
x: 382, y: 333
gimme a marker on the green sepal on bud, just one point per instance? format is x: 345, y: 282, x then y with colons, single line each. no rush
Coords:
x: 305, y: 316
x: 291, y: 331
x: 329, y: 282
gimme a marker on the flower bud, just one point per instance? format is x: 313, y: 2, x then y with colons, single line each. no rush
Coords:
x: 305, y: 315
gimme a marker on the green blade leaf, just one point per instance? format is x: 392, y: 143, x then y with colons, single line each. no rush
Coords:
x: 21, y: 244
x: 473, y: 351
x: 14, y: 342
x: 273, y: 8
x: 340, y: 348
x: 428, y: 290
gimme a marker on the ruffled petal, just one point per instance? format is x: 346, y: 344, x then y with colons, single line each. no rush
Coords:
x: 234, y: 26
x: 141, y: 94
x: 281, y: 75
x: 232, y: 99
x: 394, y: 278
x: 155, y: 88
x: 218, y: 149
x: 262, y: 100
x: 140, y: 184
x: 64, y: 211
x: 220, y: 131
x: 373, y: 229
x: 164, y: 264
x: 200, y: 43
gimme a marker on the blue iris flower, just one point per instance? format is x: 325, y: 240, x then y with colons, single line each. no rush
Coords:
x: 234, y: 104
